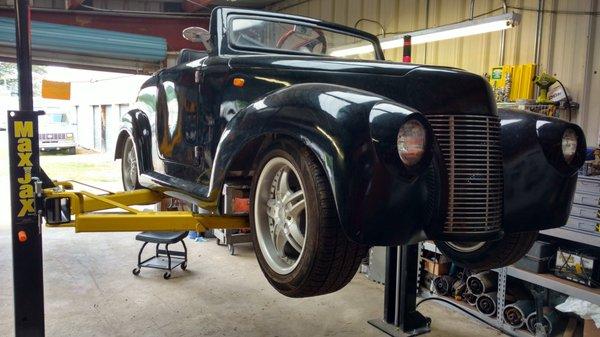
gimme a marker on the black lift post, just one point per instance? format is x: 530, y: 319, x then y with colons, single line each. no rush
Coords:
x: 24, y: 167
x: 400, y: 315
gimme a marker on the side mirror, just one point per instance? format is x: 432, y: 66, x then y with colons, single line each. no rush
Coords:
x: 58, y: 211
x: 198, y: 34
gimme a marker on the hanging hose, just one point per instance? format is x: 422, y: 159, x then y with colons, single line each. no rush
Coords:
x: 466, y: 311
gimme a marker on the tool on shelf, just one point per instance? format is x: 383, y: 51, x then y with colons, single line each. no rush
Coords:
x: 470, y: 298
x: 537, y: 326
x: 487, y: 303
x: 516, y: 314
x: 458, y: 289
x: 578, y: 267
x: 442, y: 285
x: 483, y: 282
x: 547, y: 326
x: 544, y: 81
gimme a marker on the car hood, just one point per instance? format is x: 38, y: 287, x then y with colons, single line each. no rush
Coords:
x: 429, y: 89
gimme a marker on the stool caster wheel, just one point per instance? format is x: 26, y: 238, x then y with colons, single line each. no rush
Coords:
x: 167, y: 275
x: 183, y: 266
x: 231, y: 249
x: 135, y: 271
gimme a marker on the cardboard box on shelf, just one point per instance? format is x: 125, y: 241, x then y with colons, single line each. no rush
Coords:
x: 589, y: 329
x: 436, y: 267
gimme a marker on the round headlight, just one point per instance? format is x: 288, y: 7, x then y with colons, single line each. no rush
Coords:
x: 569, y: 145
x: 412, y: 139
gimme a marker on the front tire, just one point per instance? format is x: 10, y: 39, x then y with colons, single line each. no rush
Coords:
x: 478, y: 256
x: 298, y: 240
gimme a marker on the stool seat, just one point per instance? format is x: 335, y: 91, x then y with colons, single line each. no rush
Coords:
x: 161, y: 237
x: 164, y: 259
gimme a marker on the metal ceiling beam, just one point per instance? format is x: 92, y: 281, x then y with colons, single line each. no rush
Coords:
x: 191, y: 6
x: 162, y: 25
x: 73, y: 4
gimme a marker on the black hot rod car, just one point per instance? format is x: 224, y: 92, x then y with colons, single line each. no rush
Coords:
x: 339, y: 150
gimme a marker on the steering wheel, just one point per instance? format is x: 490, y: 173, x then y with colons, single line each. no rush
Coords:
x: 306, y: 42
x: 251, y: 38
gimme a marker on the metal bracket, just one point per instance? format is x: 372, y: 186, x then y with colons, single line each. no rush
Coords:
x: 540, y: 295
x: 84, y: 205
x: 501, y: 295
x: 400, y: 316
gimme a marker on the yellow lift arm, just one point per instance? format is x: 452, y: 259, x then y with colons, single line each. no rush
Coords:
x: 90, y: 214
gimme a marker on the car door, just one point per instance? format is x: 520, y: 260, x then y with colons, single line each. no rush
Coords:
x: 177, y: 121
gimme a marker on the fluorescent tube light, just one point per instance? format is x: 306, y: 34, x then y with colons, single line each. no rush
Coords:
x: 452, y: 31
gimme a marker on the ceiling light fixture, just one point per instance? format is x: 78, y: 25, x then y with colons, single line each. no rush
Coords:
x: 452, y: 31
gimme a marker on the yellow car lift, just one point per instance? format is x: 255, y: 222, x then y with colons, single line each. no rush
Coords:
x: 62, y: 202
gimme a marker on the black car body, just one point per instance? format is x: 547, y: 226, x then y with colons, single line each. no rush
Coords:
x: 486, y: 172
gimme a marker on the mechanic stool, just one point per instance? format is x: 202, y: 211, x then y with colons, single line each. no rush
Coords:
x: 164, y: 259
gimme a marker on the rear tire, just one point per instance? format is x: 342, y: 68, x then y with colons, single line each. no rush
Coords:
x: 489, y: 255
x: 299, y: 243
x: 129, y: 167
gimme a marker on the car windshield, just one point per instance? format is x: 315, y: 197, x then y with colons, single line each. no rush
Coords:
x: 270, y: 35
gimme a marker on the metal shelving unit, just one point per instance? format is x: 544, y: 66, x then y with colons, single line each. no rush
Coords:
x: 548, y: 281
x: 498, y: 320
x: 572, y: 235
x: 552, y: 282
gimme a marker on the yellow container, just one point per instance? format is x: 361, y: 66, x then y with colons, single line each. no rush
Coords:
x: 521, y: 80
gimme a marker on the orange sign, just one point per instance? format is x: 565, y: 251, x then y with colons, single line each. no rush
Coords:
x: 56, y: 90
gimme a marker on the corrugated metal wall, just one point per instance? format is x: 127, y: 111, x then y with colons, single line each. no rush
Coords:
x: 132, y: 5
x: 67, y: 39
x: 569, y: 46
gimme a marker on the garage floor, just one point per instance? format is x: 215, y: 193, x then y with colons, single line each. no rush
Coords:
x: 90, y: 290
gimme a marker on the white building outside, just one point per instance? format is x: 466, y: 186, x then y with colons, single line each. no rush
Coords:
x: 98, y: 101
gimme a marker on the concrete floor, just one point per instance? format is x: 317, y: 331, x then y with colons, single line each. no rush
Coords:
x: 90, y: 291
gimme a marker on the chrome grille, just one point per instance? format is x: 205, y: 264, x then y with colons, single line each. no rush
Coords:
x: 470, y: 145
x: 53, y: 136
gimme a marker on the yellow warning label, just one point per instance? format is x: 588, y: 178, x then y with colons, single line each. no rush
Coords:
x: 23, y: 132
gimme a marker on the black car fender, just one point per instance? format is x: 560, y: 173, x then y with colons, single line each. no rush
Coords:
x: 334, y: 123
x: 135, y: 124
x: 538, y: 183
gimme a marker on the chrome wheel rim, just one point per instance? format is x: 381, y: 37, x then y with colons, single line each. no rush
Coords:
x: 465, y: 247
x: 129, y: 167
x: 280, y: 215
